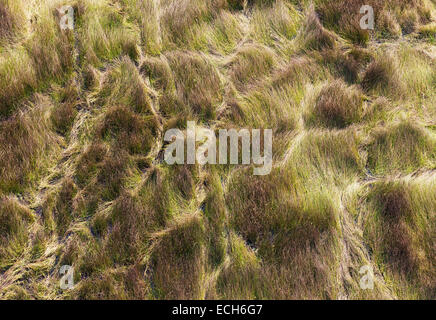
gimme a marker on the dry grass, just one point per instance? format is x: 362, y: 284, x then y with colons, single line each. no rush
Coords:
x: 60, y: 206
x: 123, y: 85
x: 250, y: 64
x: 197, y: 83
x: 82, y: 176
x: 382, y: 76
x: 11, y: 18
x: 417, y: 148
x: 284, y: 228
x: 315, y: 37
x: 103, y: 33
x: 392, y: 18
x: 127, y: 130
x: 338, y: 105
x: 400, y: 232
x: 13, y: 231
x: 65, y: 112
x: 428, y: 31
x: 17, y: 77
x: 280, y: 21
x: 27, y: 142
x: 178, y: 261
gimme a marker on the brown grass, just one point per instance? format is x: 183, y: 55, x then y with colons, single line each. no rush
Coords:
x: 130, y: 226
x: 396, y: 242
x: 127, y: 130
x: 251, y: 63
x: 25, y: 139
x: 338, y: 105
x: 13, y: 230
x: 82, y: 177
x: 315, y: 37
x: 112, y: 174
x: 178, y: 260
x: 158, y: 71
x: 61, y: 205
x: 296, y: 71
x: 123, y: 85
x: 285, y: 230
x: 382, y: 76
x: 8, y: 21
x: 344, y: 65
x: 417, y: 148
x: 89, y: 162
x: 197, y: 82
x: 50, y: 49
x: 343, y: 16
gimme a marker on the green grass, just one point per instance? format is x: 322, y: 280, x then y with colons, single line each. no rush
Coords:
x: 104, y: 34
x: 417, y: 150
x: 281, y: 21
x: 428, y: 31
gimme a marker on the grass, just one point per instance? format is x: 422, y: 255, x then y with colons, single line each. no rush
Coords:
x: 417, y: 72
x: 399, y: 229
x: 61, y: 206
x: 64, y: 114
x: 13, y: 233
x: 225, y: 33
x: 391, y: 18
x: 240, y: 278
x: 145, y: 15
x: 50, y: 49
x: 198, y: 84
x: 27, y: 144
x: 18, y: 78
x: 428, y: 31
x: 43, y: 57
x: 280, y: 21
x: 417, y: 148
x: 345, y: 65
x: 178, y: 260
x: 127, y: 130
x: 314, y: 35
x: 382, y: 77
x: 282, y: 227
x: 104, y: 35
x: 83, y: 182
x: 249, y: 64
x: 182, y: 22
x: 89, y: 161
x: 11, y: 13
x: 124, y: 86
x: 337, y: 105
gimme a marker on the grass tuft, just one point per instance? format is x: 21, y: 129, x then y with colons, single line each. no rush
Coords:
x: 417, y: 148
x: 178, y: 261
x: 250, y: 64
x: 382, y: 76
x: 127, y: 130
x: 337, y: 105
x: 197, y: 83
x: 315, y: 37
